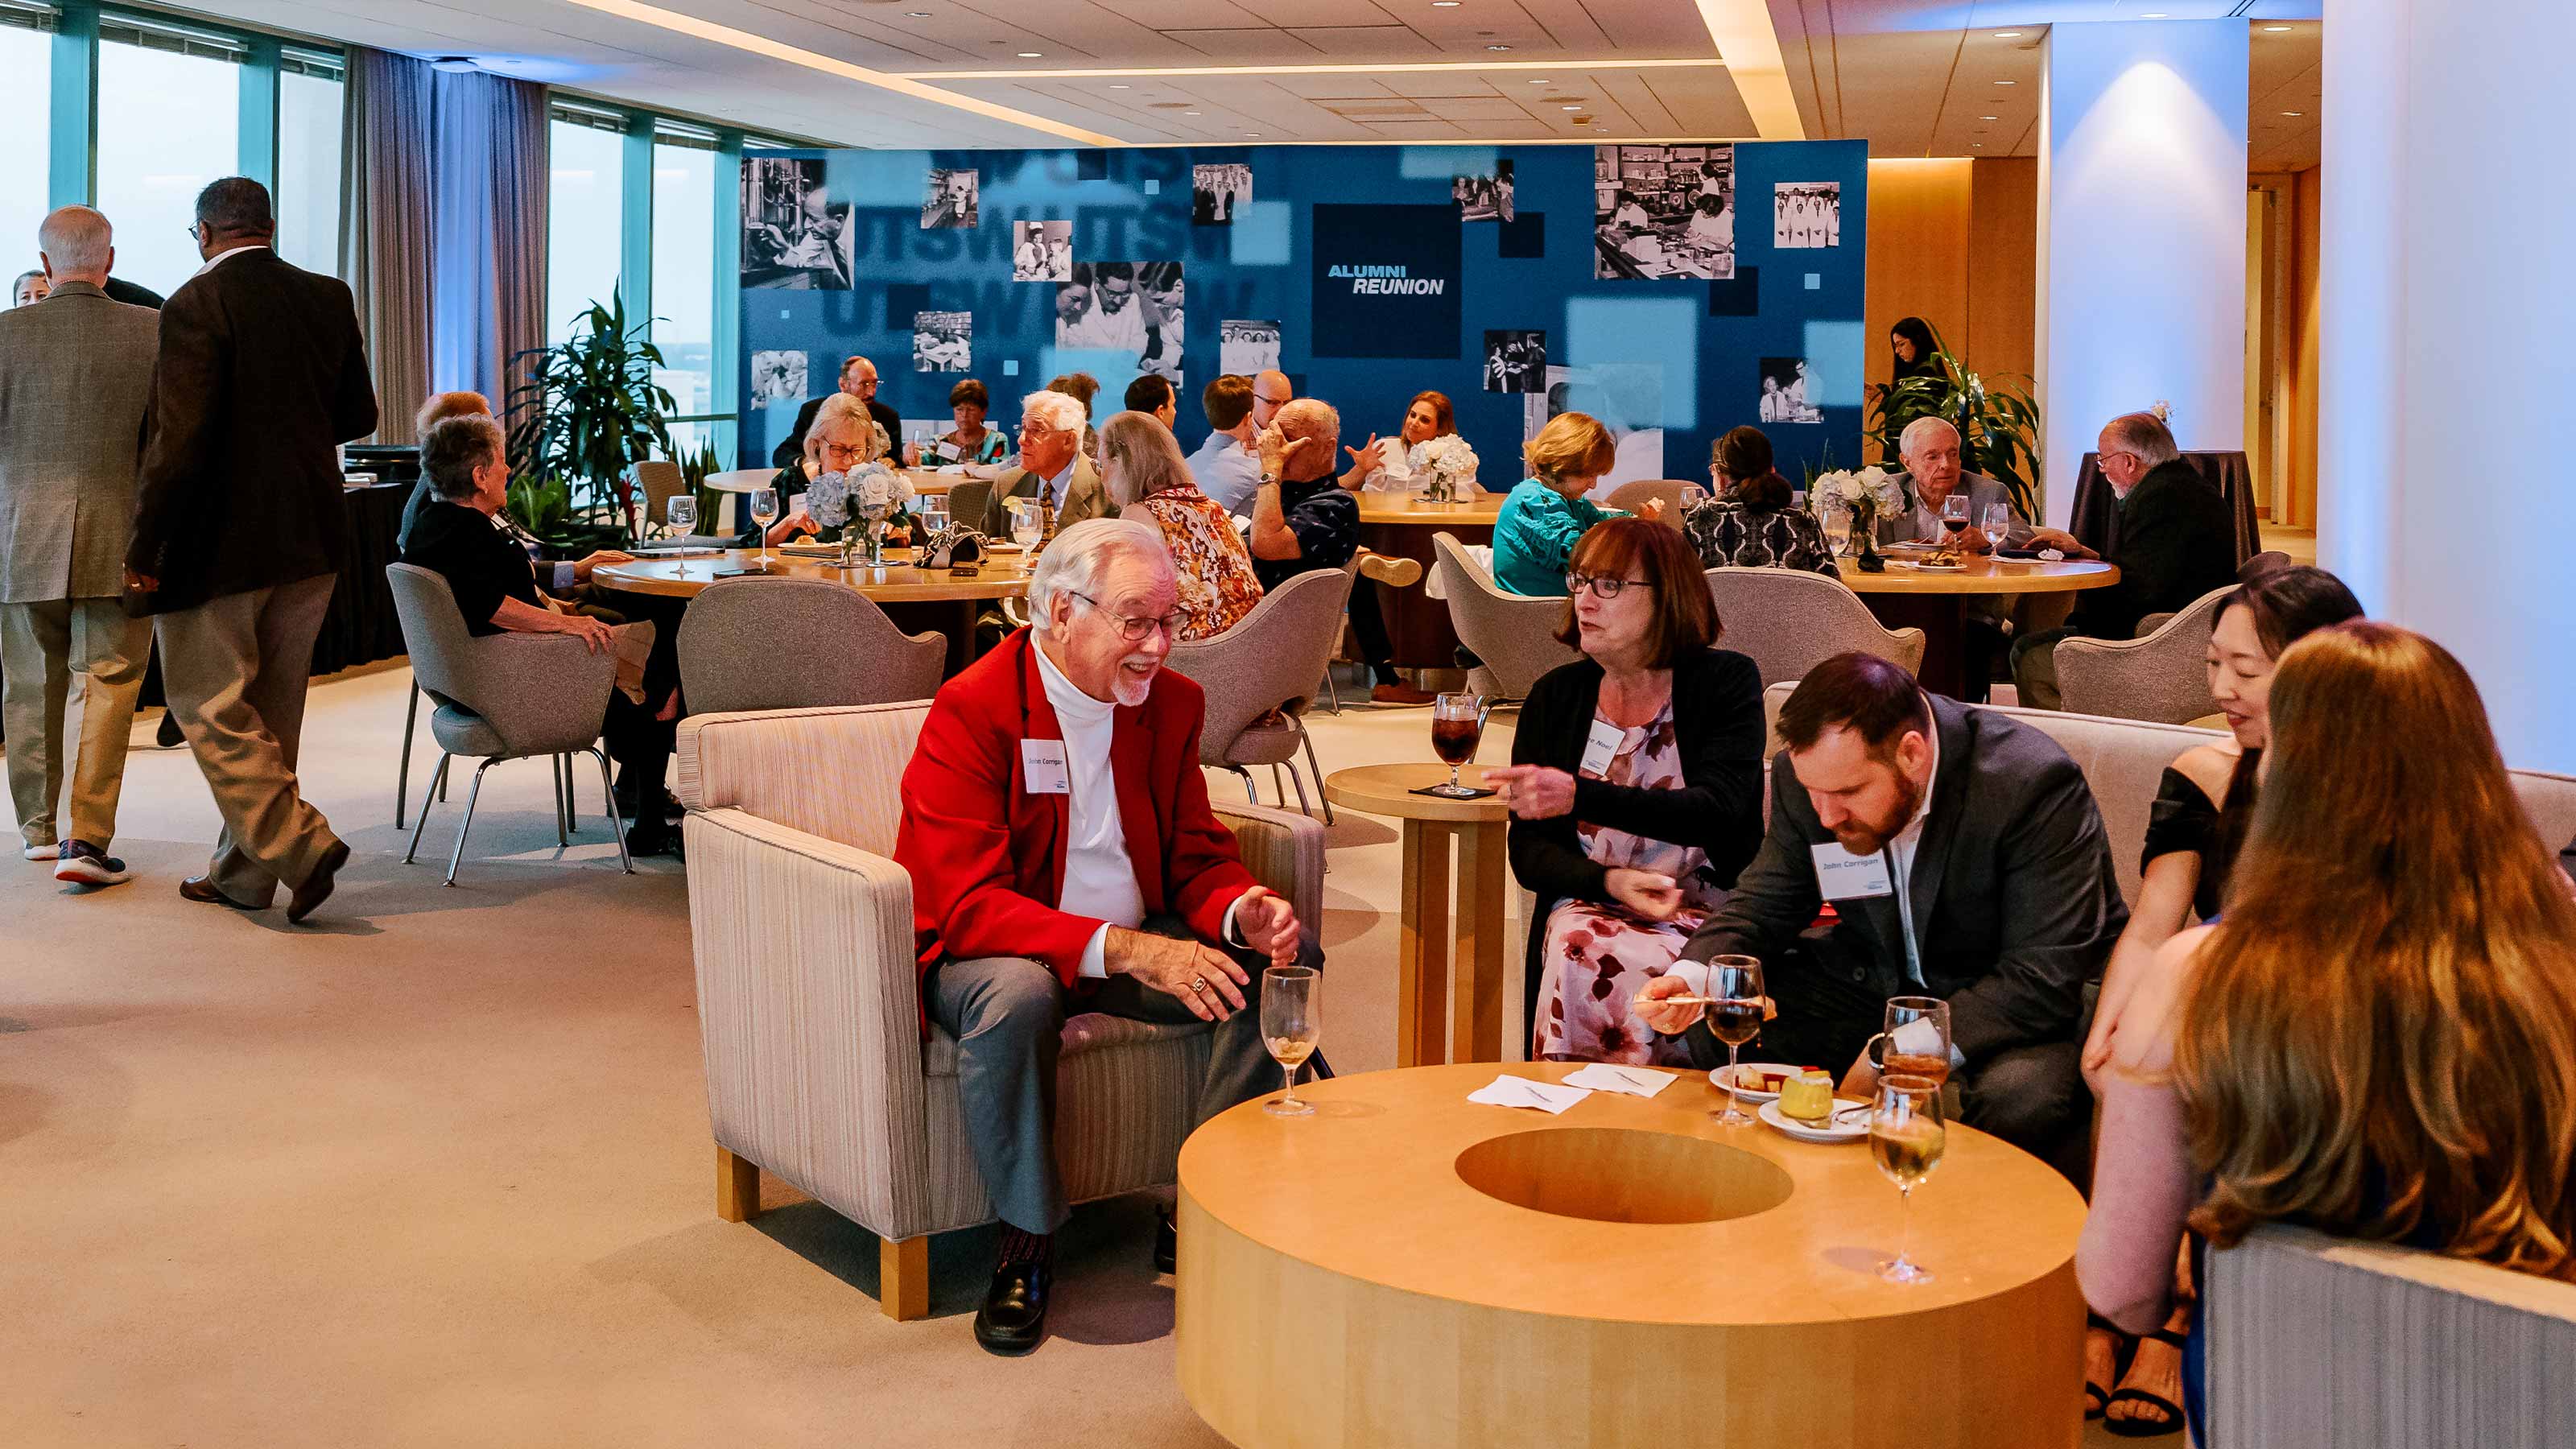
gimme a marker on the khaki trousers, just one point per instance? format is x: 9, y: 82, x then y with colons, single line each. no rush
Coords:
x: 42, y: 645
x: 235, y: 669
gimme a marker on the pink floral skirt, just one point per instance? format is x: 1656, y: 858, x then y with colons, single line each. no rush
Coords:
x: 1595, y: 960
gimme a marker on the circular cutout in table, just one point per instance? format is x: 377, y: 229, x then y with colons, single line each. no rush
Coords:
x: 1353, y: 1278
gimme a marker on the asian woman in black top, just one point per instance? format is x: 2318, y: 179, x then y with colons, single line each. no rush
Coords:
x: 1635, y: 787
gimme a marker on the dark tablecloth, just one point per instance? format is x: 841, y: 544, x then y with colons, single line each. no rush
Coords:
x: 2096, y: 523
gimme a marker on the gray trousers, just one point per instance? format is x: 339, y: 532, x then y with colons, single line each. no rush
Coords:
x: 235, y: 669
x: 2034, y: 667
x: 1007, y: 1014
x: 42, y: 646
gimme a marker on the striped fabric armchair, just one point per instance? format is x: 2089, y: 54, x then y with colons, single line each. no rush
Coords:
x: 809, y: 1003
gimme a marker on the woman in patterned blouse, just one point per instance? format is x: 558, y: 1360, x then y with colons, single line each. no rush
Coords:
x: 1749, y: 524
x: 1142, y: 467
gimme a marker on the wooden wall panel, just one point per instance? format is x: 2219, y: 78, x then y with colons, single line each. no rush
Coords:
x: 1919, y: 214
x: 2296, y: 503
x: 2003, y: 265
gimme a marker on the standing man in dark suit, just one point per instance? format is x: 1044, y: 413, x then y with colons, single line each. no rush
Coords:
x: 2177, y: 541
x: 859, y: 380
x: 1965, y: 858
x: 239, y: 533
x: 75, y: 372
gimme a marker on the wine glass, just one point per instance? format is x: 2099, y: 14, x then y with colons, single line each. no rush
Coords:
x: 1905, y: 1139
x: 1457, y: 723
x: 1025, y: 523
x: 933, y: 511
x: 1290, y: 1028
x: 1918, y: 1039
x: 682, y: 511
x: 1997, y: 524
x: 764, y: 511
x: 1954, y: 520
x: 1735, y: 1016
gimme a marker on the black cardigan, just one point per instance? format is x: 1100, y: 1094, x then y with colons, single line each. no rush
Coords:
x: 1717, y: 719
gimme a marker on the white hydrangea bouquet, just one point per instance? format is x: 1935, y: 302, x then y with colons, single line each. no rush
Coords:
x: 870, y: 493
x: 1866, y: 495
x: 1445, y: 464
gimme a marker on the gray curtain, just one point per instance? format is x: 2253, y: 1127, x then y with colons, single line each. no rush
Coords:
x: 385, y: 239
x: 489, y: 209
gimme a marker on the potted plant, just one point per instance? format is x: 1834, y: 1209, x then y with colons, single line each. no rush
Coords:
x: 1998, y: 423
x: 588, y: 412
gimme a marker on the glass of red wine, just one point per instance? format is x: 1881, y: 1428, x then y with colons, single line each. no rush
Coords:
x: 1954, y: 521
x: 1735, y: 1015
x: 1457, y: 725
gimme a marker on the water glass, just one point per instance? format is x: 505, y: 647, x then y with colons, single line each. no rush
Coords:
x: 934, y: 516
x: 1906, y: 1137
x: 1997, y: 523
x: 682, y: 512
x: 764, y: 511
x: 1025, y: 523
x: 1291, y: 1029
x: 1735, y: 1017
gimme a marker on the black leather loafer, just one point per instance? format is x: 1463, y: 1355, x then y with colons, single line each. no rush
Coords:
x: 1013, y: 1318
x: 316, y: 889
x: 201, y: 890
x: 1167, y: 1244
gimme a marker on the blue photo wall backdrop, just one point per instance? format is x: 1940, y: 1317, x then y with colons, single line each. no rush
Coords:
x: 1582, y: 277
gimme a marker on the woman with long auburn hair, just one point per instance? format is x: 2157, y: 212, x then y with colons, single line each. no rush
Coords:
x: 2379, y: 1039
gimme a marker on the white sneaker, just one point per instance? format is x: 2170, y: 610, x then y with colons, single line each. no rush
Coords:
x: 41, y: 852
x: 84, y: 864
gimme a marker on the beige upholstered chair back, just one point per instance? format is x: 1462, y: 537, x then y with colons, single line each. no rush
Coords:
x: 758, y: 643
x: 1514, y: 635
x: 836, y: 773
x: 2162, y: 675
x: 1271, y: 659
x: 1789, y: 621
x: 658, y: 481
x: 1631, y: 497
x: 2324, y: 1341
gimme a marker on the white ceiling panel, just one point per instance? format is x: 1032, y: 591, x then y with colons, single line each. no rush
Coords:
x: 1368, y: 44
x: 1246, y: 47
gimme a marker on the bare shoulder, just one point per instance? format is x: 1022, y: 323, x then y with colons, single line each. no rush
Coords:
x: 2210, y: 766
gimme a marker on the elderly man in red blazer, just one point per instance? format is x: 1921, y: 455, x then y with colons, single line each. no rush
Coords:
x: 1063, y: 857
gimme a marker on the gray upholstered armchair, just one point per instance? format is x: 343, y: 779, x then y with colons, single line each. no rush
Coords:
x: 809, y: 1000
x: 1789, y: 621
x: 2162, y: 675
x: 1514, y: 635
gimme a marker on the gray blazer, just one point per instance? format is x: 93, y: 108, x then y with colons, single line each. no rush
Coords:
x: 1980, y: 490
x: 2015, y: 903
x: 1084, y: 498
x: 75, y: 377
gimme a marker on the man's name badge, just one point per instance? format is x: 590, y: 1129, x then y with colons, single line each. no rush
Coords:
x: 1042, y: 765
x: 1843, y: 876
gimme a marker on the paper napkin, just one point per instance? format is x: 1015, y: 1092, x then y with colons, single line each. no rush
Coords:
x: 1635, y: 1081
x: 1511, y: 1091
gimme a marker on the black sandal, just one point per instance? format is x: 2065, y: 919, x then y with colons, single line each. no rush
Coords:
x: 2097, y: 1397
x: 2135, y: 1428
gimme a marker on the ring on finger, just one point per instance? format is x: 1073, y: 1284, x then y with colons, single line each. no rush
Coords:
x: 1197, y: 985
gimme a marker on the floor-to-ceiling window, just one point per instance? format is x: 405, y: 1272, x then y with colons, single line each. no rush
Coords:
x: 308, y: 159
x: 684, y: 275
x: 169, y: 121
x: 25, y: 106
x: 585, y: 216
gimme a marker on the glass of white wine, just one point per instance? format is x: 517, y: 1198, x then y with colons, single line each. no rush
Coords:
x: 1997, y: 524
x: 764, y: 511
x: 1906, y: 1136
x: 682, y: 511
x: 1735, y: 1015
x: 1291, y: 1029
x: 1025, y: 522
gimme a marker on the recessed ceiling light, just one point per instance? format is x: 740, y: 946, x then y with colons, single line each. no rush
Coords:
x: 1989, y: 118
x: 2294, y: 113
x: 1120, y: 86
x: 1031, y: 55
x: 1255, y: 135
x: 1570, y: 108
x: 2276, y: 29
x: 1976, y: 145
x: 1189, y: 113
x: 918, y: 14
x: 2155, y: 15
x: 1444, y: 4
x: 1538, y: 83
x: 2007, y: 83
x: 2007, y: 35
x: 1498, y: 47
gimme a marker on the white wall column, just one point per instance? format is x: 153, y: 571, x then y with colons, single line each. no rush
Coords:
x: 2445, y: 495
x: 2142, y: 234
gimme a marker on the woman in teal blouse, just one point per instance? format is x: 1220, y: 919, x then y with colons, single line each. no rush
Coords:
x: 1547, y: 514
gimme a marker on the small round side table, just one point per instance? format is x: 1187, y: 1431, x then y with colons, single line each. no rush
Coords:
x: 1440, y: 955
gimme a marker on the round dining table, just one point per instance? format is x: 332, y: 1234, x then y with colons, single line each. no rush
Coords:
x: 1936, y: 601
x: 915, y: 598
x: 1400, y: 525
x: 1406, y: 1269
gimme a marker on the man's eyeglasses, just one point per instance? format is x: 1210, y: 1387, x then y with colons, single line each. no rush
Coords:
x: 1134, y: 630
x: 1601, y: 585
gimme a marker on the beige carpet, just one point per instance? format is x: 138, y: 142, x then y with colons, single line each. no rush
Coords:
x: 436, y: 1171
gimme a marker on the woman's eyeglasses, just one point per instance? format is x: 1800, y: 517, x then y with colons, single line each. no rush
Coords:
x: 1601, y: 585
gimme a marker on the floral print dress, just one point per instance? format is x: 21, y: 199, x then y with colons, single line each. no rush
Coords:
x: 1598, y: 955
x: 1217, y: 583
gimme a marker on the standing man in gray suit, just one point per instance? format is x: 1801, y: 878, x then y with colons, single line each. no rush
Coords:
x: 240, y: 533
x: 75, y: 372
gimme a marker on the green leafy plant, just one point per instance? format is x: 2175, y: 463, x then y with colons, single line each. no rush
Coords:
x: 1998, y: 422
x: 590, y: 410
x: 542, y: 506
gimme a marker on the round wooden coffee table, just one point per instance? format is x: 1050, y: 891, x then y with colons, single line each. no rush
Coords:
x: 1408, y: 1268
x: 1449, y: 967
x: 1936, y: 600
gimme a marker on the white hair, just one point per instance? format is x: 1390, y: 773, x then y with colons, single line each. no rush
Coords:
x: 1079, y: 558
x: 1058, y: 410
x: 1919, y: 429
x: 75, y: 239
x: 2145, y: 435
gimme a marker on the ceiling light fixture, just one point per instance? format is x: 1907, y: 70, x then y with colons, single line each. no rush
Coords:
x: 2007, y: 35
x: 1189, y: 113
x: 1031, y: 55
x: 2276, y: 29
x: 1569, y: 108
x: 453, y: 64
x: 1498, y: 47
x: 2007, y: 83
x: 918, y: 14
x: 1989, y: 118
x: 1444, y: 4
x: 1423, y: 67
x: 1538, y: 83
x: 2294, y: 113
x: 2155, y: 15
x: 1749, y: 43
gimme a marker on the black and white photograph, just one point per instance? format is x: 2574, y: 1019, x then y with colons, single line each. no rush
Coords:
x: 1217, y: 193
x: 1515, y: 361
x: 1124, y: 307
x: 1786, y: 386
x: 1625, y: 397
x: 1484, y: 198
x: 948, y: 200
x: 1244, y: 347
x: 1663, y: 211
x: 943, y: 341
x: 777, y: 377
x: 1807, y: 214
x: 795, y: 234
x: 1041, y: 251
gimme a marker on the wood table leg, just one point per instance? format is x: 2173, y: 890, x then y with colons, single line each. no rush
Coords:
x: 737, y: 1187
x: 1422, y: 951
x: 1476, y: 973
x: 903, y: 1277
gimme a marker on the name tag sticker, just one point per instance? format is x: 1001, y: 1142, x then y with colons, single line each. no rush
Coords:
x: 1843, y: 876
x: 1601, y: 748
x: 1042, y: 765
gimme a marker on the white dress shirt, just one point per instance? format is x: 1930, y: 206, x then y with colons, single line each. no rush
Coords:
x: 219, y: 258
x: 1900, y: 860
